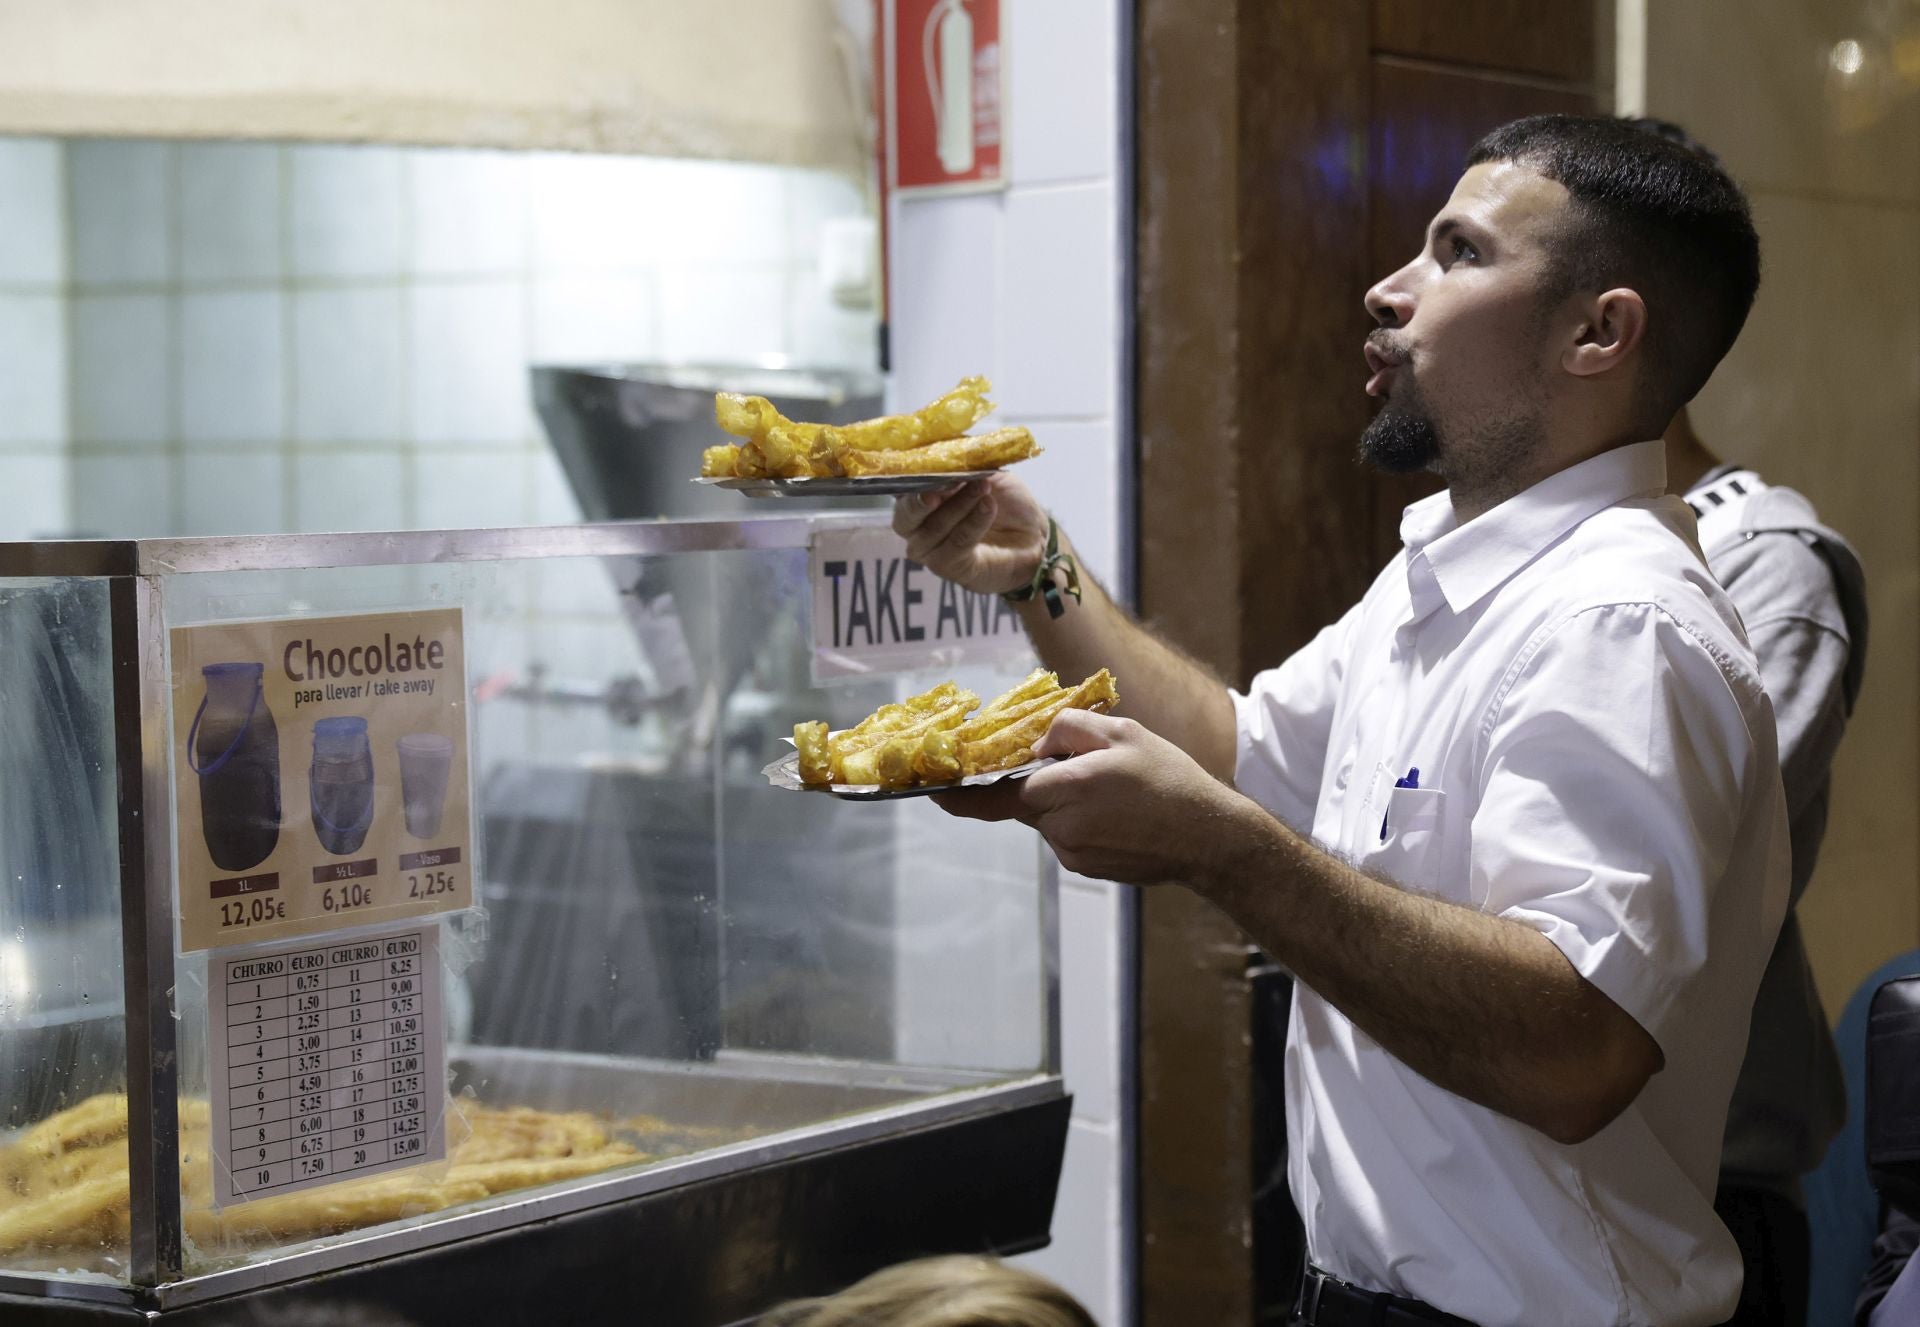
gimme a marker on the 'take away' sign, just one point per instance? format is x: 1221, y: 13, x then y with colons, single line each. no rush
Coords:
x: 877, y: 611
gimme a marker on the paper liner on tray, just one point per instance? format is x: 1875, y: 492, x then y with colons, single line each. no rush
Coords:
x: 785, y: 773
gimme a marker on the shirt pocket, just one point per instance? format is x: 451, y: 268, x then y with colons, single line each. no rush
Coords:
x: 1407, y: 849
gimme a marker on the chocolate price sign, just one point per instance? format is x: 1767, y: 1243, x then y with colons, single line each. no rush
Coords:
x: 320, y: 773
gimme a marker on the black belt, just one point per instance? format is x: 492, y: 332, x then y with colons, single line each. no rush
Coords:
x: 1327, y: 1302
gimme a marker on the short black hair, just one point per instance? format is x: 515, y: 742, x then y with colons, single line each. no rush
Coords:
x: 1655, y: 213
x: 1673, y: 133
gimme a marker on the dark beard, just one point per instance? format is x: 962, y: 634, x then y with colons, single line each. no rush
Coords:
x: 1400, y: 442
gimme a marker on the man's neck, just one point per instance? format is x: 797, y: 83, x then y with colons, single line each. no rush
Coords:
x: 1471, y: 501
x: 1688, y: 458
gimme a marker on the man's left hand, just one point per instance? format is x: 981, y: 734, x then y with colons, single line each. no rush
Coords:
x: 1128, y: 805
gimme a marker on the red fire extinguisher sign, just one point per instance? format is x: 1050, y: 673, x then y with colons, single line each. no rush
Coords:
x: 945, y: 68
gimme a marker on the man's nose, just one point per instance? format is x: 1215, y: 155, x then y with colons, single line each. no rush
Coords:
x: 1391, y: 301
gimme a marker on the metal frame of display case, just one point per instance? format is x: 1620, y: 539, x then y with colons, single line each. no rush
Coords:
x: 132, y: 569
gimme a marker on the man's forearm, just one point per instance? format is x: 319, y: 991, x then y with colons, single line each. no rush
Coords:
x: 1487, y: 1008
x: 1160, y: 687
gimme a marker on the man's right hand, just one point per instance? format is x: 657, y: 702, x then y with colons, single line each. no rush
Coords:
x: 986, y: 535
x: 989, y: 535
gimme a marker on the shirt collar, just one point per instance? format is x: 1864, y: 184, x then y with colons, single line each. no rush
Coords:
x: 1462, y: 564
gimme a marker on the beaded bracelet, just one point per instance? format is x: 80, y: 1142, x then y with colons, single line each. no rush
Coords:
x: 1042, y: 582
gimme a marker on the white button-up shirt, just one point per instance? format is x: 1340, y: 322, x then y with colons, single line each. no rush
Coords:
x: 1596, y: 760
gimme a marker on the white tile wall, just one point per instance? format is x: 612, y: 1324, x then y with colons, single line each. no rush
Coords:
x: 33, y: 240
x: 230, y: 212
x: 35, y: 330
x: 232, y: 348
x: 346, y: 205
x: 467, y: 362
x: 1089, y: 974
x: 122, y: 370
x: 465, y: 487
x: 554, y: 502
x: 1057, y: 355
x: 814, y: 198
x: 711, y: 212
x: 716, y: 313
x: 350, y: 490
x: 127, y: 496
x: 601, y: 318
x: 946, y: 295
x: 33, y: 369
x: 33, y: 493
x: 1062, y: 104
x: 469, y: 212
x: 233, y: 492
x: 827, y: 335
x: 1088, y: 1225
x: 589, y: 214
x: 118, y: 204
x: 349, y: 364
x: 1080, y: 483
x: 387, y: 301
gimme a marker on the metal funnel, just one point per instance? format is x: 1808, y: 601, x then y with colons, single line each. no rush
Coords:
x: 630, y: 435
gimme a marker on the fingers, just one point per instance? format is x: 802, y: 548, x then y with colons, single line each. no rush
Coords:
x: 999, y: 801
x: 912, y: 509
x: 973, y: 527
x: 1010, y: 490
x: 957, y: 523
x: 1075, y: 732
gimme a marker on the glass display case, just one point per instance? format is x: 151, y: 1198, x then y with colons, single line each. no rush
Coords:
x: 386, y: 912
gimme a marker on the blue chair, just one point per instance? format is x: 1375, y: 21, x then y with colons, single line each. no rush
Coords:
x: 1843, y: 1211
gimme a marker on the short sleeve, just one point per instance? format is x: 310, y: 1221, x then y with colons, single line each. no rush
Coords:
x: 1285, y: 722
x: 1787, y: 596
x: 1619, y: 766
x: 1804, y: 665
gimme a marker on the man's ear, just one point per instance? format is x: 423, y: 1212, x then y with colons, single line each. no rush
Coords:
x: 1616, y: 320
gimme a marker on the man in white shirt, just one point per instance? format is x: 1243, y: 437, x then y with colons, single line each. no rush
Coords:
x: 1515, y: 821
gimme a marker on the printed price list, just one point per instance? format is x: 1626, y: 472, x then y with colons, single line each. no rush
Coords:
x: 329, y: 1062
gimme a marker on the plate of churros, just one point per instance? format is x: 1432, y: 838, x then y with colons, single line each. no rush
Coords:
x: 937, y: 741
x: 929, y: 448
x: 830, y: 486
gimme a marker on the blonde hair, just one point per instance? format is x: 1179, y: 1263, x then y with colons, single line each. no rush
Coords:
x: 956, y: 1291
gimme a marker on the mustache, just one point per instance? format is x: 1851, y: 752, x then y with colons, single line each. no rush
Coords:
x: 1389, y: 347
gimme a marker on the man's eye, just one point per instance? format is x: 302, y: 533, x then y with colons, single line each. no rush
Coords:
x: 1464, y: 250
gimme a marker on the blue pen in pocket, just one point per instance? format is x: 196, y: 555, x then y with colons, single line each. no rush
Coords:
x: 1411, y: 781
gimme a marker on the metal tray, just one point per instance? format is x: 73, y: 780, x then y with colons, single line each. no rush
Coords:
x: 839, y: 1166
x: 844, y: 486
x: 753, y: 1092
x: 785, y: 773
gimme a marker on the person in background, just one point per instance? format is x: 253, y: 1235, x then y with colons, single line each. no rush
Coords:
x: 956, y: 1291
x: 1801, y: 592
x: 1515, y: 822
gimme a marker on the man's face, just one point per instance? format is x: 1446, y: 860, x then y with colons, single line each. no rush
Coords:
x: 1462, y: 357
